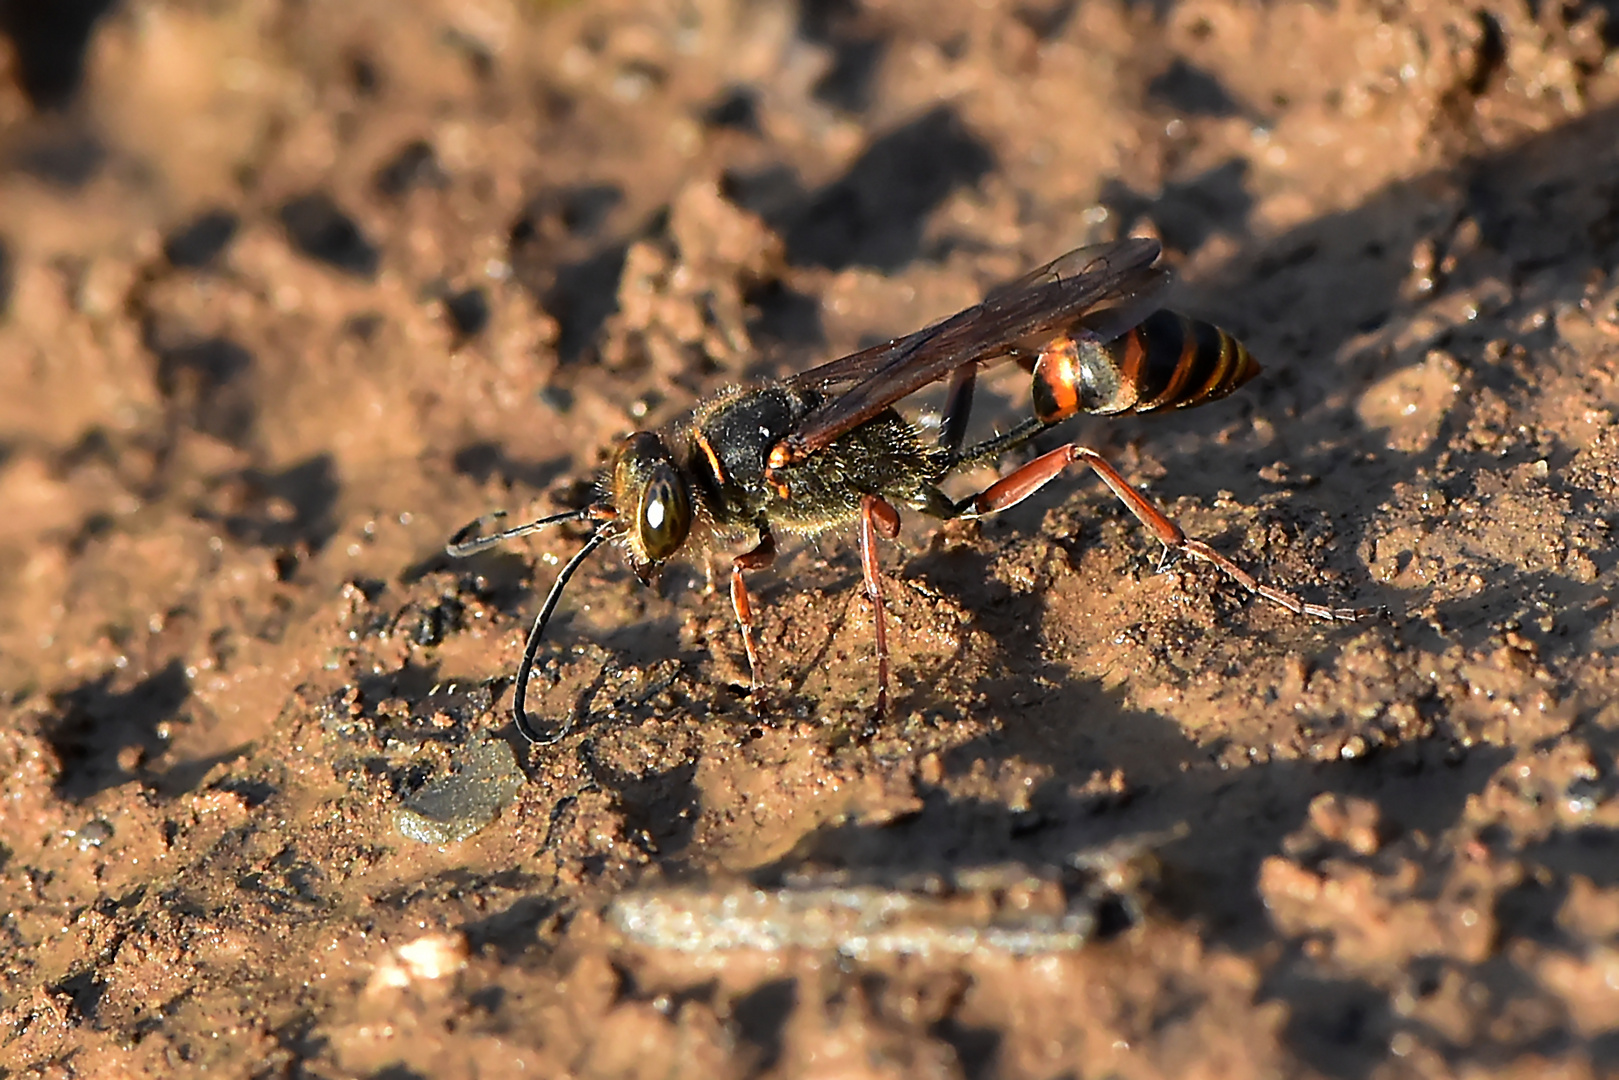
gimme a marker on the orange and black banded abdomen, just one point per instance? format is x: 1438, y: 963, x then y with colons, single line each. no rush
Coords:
x: 1169, y: 361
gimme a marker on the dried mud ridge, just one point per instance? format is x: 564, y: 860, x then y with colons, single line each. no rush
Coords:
x: 290, y: 292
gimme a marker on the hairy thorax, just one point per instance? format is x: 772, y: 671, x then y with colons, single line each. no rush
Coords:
x: 730, y: 438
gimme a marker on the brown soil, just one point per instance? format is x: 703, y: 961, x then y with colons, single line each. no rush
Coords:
x: 292, y: 291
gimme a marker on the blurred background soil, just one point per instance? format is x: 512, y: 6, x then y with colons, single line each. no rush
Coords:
x: 290, y: 291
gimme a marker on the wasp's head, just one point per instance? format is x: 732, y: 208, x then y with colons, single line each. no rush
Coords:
x: 652, y: 499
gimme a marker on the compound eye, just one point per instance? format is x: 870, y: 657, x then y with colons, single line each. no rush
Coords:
x: 665, y: 514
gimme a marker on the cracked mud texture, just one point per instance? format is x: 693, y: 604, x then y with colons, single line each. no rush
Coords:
x: 292, y: 291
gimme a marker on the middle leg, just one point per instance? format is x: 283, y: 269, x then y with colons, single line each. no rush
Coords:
x: 762, y: 555
x: 958, y: 405
x: 877, y: 517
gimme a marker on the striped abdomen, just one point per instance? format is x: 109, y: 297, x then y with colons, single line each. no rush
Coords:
x: 1167, y: 361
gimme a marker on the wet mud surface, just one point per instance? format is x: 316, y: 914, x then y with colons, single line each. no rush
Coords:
x: 292, y: 292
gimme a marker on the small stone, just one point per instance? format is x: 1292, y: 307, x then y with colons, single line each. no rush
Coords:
x: 484, y: 778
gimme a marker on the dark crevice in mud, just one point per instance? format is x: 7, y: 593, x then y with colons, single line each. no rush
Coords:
x: 736, y: 109
x: 773, y: 192
x: 292, y: 509
x: 557, y: 254
x: 468, y: 312
x: 976, y: 1047
x: 1490, y: 54
x: 484, y: 461
x: 511, y: 932
x: 1528, y: 912
x: 659, y: 807
x: 1340, y: 1027
x: 784, y: 317
x: 209, y: 384
x: 583, y: 297
x: 1048, y: 20
x: 1187, y: 212
x: 1610, y: 25
x: 874, y: 215
x: 67, y: 155
x: 1186, y: 88
x: 321, y: 230
x: 296, y: 1041
x: 761, y: 1017
x: 95, y: 724
x: 848, y: 84
x: 202, y: 240
x: 399, y: 1072
x: 1343, y: 1026
x: 1590, y: 851
x: 503, y: 579
x: 50, y: 42
x: 414, y: 167
x: 857, y: 52
x: 82, y: 993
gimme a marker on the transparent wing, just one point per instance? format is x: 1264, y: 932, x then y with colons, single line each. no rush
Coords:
x: 1067, y: 292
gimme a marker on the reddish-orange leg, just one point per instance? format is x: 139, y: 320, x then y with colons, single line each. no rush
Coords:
x: 877, y: 517
x: 762, y: 555
x: 1026, y: 480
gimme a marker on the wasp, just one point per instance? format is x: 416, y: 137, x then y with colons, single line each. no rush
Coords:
x: 826, y: 447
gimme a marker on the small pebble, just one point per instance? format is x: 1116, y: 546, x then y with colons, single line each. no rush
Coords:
x: 484, y: 778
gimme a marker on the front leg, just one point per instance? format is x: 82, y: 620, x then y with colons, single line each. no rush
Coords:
x: 762, y: 555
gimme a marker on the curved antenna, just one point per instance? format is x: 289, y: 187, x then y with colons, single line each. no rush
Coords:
x: 537, y: 631
x: 459, y: 547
